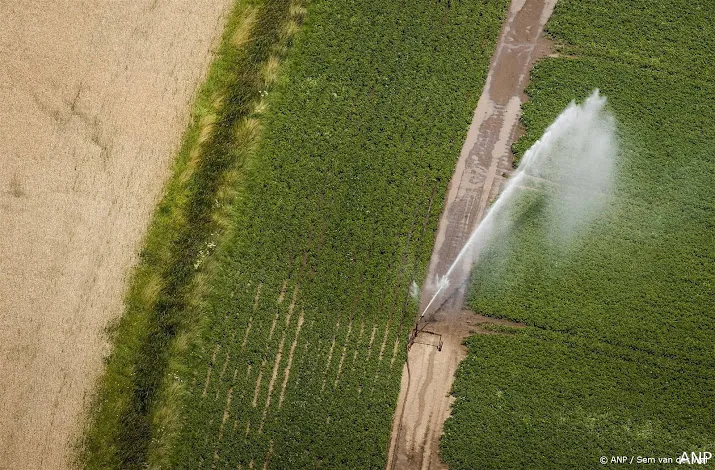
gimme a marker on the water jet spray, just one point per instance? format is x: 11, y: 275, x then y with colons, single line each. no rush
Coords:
x: 576, y: 158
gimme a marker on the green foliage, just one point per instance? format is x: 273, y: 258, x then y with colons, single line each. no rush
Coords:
x: 623, y: 316
x: 287, y: 262
x: 362, y: 133
x: 542, y: 399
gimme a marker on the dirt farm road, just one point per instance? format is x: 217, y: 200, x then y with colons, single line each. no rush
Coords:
x: 95, y: 97
x: 424, y: 401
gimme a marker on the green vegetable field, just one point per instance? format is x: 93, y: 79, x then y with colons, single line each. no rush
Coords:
x: 618, y: 352
x: 266, y: 323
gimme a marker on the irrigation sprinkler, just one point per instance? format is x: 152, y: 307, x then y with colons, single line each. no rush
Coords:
x: 416, y: 331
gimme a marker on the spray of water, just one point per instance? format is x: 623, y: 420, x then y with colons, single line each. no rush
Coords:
x: 415, y: 291
x: 442, y: 283
x: 573, y: 162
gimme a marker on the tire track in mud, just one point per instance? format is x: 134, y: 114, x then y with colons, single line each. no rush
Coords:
x: 424, y: 401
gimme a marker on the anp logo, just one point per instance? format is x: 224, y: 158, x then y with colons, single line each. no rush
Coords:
x: 699, y: 458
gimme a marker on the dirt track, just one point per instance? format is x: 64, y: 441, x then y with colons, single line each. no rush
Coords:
x: 424, y: 401
x: 95, y: 96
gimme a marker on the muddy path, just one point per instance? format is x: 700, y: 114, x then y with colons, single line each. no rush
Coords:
x: 424, y: 401
x: 96, y: 96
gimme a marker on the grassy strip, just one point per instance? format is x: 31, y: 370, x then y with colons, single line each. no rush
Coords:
x: 181, y: 238
x: 618, y: 359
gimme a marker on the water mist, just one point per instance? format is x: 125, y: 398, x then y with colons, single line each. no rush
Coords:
x: 573, y: 163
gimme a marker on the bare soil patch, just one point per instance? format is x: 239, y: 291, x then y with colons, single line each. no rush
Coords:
x: 424, y: 402
x: 95, y: 99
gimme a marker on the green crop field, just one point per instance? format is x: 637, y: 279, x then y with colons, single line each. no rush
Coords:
x: 266, y: 323
x: 618, y: 352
